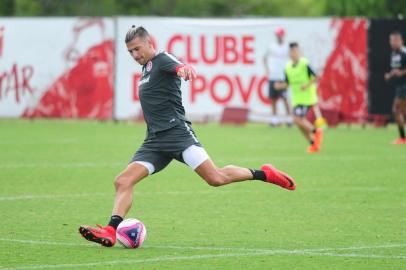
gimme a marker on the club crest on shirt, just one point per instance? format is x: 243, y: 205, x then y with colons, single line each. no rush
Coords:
x: 149, y: 66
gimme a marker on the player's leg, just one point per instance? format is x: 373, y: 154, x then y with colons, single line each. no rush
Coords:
x: 287, y: 108
x: 222, y: 176
x: 274, y: 110
x: 399, y: 111
x: 305, y: 127
x: 273, y: 96
x: 146, y: 161
x: 124, y: 183
x: 312, y: 135
x: 197, y: 158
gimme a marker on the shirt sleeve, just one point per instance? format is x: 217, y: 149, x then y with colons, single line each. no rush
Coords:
x: 403, y: 64
x: 170, y: 63
x: 311, y: 72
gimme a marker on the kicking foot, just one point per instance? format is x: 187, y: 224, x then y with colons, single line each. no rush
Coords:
x: 313, y: 149
x: 318, y: 137
x: 105, y: 236
x: 277, y: 177
x: 399, y: 141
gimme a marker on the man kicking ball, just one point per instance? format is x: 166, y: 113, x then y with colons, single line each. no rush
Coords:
x: 169, y: 136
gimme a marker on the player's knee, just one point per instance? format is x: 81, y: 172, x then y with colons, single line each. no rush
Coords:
x: 215, y: 180
x: 122, y: 182
x: 221, y: 176
x: 396, y: 110
x: 297, y: 120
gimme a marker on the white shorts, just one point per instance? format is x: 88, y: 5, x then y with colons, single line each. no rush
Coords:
x: 193, y: 156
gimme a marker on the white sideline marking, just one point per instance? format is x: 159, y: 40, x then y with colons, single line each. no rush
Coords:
x: 139, y: 261
x: 282, y: 250
x: 248, y: 252
x: 50, y: 196
x: 203, y: 256
x: 239, y: 160
x: 356, y: 255
x: 61, y: 196
x: 51, y: 243
x: 187, y: 192
x: 47, y: 243
x: 62, y: 165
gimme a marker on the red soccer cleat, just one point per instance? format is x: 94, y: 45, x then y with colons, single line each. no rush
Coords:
x: 399, y: 141
x: 313, y: 149
x: 318, y: 137
x: 105, y: 236
x: 277, y: 177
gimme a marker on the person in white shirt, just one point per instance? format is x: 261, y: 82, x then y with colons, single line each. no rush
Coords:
x: 275, y: 59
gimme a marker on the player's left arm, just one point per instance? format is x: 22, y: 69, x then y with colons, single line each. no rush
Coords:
x: 186, y: 72
x: 172, y: 65
x: 399, y: 72
x: 313, y: 78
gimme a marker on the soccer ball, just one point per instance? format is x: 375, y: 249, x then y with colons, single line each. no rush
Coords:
x: 131, y: 233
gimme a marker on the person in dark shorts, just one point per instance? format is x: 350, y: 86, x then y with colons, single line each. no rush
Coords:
x: 275, y: 59
x: 169, y: 136
x: 397, y: 75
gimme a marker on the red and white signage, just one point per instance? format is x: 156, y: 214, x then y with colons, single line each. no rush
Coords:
x: 59, y: 67
x: 68, y: 67
x: 228, y: 56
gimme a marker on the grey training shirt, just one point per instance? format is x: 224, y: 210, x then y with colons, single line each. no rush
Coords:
x: 159, y: 92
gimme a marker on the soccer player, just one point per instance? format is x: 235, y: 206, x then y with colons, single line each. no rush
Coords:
x: 275, y: 60
x: 301, y: 79
x: 398, y: 76
x: 169, y: 136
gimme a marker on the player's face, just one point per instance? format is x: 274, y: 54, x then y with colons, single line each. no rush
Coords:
x: 396, y: 42
x: 141, y: 50
x: 294, y: 53
x: 279, y: 38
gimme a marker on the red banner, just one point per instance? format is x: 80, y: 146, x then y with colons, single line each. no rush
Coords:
x: 343, y: 83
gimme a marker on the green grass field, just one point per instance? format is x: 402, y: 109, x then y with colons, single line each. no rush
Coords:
x: 348, y: 211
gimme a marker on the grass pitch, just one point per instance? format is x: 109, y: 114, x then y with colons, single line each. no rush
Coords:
x: 348, y: 212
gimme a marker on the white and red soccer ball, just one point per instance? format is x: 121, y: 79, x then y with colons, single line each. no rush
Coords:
x: 131, y: 233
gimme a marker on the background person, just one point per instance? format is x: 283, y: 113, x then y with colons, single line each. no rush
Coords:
x: 275, y: 59
x: 397, y: 75
x: 301, y: 79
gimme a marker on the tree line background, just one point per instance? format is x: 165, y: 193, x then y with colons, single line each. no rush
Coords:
x: 205, y: 8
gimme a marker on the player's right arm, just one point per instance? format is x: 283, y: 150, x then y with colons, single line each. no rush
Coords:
x: 283, y: 84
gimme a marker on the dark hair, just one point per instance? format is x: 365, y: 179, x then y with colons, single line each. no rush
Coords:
x: 134, y: 32
x: 396, y: 33
x: 293, y: 45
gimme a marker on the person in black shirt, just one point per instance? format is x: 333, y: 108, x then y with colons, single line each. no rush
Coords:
x: 169, y: 136
x: 397, y: 75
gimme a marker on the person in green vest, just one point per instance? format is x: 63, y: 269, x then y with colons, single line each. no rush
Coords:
x: 301, y: 79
